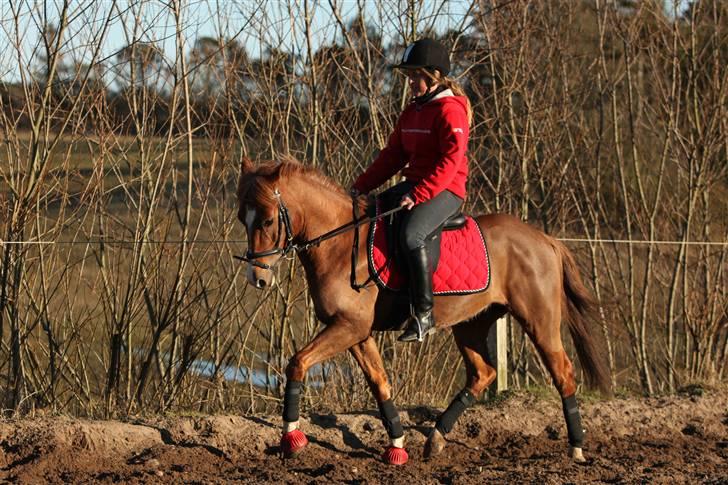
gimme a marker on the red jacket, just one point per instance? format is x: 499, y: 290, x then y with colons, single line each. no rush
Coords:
x: 433, y: 140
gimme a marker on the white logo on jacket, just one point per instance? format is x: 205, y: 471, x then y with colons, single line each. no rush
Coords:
x: 457, y: 130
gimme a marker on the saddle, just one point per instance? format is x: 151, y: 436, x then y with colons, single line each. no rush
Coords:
x: 457, y: 251
x: 393, y: 225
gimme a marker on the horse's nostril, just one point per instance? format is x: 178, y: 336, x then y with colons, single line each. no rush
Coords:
x: 261, y: 283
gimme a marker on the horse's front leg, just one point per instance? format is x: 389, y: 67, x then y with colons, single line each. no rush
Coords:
x: 369, y: 359
x: 333, y: 339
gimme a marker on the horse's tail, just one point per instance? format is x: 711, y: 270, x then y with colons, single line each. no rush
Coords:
x: 580, y: 305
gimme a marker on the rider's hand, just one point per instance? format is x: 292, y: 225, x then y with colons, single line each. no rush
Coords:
x: 407, y: 202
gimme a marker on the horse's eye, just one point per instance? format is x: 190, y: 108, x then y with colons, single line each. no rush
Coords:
x: 268, y: 222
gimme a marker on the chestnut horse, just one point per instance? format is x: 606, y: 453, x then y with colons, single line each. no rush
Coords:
x: 286, y: 205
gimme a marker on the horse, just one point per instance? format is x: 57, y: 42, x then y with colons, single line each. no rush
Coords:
x: 286, y: 206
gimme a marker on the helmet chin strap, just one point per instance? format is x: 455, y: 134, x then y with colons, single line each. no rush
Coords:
x: 431, y: 93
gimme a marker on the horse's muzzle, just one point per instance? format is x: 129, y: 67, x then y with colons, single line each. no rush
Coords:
x: 260, y: 278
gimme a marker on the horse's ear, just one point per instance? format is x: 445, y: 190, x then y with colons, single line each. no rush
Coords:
x: 246, y: 166
x: 275, y: 174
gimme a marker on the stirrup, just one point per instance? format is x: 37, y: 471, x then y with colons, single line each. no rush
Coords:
x: 415, y: 331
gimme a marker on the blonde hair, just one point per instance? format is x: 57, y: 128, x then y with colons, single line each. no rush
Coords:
x: 453, y: 86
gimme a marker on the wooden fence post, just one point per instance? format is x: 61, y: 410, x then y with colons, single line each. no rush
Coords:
x: 498, y: 355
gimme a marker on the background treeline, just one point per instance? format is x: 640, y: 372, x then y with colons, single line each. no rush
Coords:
x: 594, y: 120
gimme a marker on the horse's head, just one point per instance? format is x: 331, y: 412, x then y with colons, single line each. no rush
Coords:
x: 266, y: 221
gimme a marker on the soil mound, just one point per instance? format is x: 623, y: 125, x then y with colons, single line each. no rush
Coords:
x: 521, y: 438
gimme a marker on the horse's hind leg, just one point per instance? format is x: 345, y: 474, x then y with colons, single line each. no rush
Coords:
x: 544, y: 331
x: 470, y: 338
x: 562, y: 373
x: 369, y: 359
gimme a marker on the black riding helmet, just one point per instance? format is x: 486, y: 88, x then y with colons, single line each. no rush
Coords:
x: 426, y: 53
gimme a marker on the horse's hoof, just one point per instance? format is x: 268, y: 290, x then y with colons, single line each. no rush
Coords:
x: 435, y: 443
x: 577, y: 455
x: 395, y: 456
x: 293, y: 442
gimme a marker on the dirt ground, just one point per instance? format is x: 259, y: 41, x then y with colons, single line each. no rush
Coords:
x: 677, y: 439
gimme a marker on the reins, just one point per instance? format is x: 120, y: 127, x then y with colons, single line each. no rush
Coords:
x: 284, y: 220
x: 345, y: 228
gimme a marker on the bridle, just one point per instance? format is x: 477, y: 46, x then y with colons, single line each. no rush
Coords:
x: 284, y: 219
x: 290, y: 248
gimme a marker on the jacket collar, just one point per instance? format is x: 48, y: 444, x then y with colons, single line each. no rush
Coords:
x: 440, y: 92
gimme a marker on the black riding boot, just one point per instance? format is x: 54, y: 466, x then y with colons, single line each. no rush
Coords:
x: 422, y: 321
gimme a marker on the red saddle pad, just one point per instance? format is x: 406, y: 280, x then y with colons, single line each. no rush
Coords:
x: 464, y: 266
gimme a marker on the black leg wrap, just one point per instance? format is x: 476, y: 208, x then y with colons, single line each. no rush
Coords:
x: 291, y: 401
x: 447, y: 419
x: 573, y: 421
x: 390, y: 419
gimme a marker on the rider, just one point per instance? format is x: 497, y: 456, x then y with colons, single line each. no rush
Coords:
x: 430, y: 139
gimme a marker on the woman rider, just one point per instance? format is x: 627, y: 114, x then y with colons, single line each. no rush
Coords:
x: 429, y: 141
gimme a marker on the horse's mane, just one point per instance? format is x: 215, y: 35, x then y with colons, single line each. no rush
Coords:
x: 254, y: 186
x: 291, y: 167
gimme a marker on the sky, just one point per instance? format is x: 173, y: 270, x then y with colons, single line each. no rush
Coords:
x: 258, y: 24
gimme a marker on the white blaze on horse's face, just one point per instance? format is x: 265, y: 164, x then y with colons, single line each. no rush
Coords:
x: 249, y: 218
x: 258, y: 277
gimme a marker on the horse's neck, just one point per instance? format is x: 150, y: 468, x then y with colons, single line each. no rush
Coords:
x: 322, y: 210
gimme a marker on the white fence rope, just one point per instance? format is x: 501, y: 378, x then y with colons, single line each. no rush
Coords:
x: 122, y: 241
x: 639, y: 241
x: 237, y: 241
